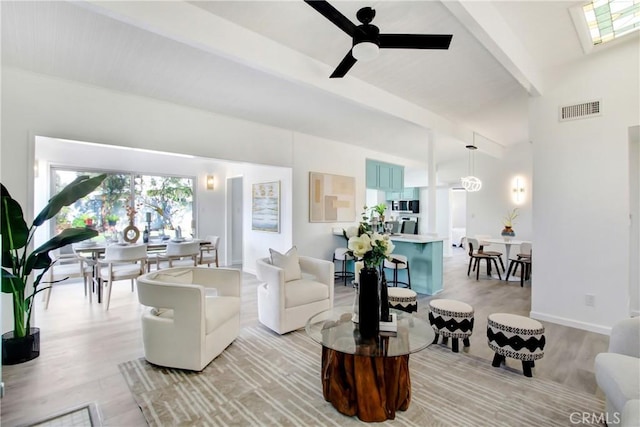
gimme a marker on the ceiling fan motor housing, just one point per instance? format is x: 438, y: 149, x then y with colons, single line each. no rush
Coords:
x: 367, y: 33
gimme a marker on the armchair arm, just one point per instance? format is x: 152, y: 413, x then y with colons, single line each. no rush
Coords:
x: 226, y: 280
x: 186, y: 301
x: 274, y: 278
x: 322, y: 269
x: 625, y: 337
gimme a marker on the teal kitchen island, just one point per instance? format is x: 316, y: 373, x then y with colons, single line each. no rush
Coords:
x: 425, y: 261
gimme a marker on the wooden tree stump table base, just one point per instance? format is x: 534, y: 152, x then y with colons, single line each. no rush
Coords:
x: 371, y: 387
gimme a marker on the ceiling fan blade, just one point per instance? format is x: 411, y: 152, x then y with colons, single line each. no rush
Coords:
x: 345, y: 65
x: 415, y: 41
x: 332, y: 14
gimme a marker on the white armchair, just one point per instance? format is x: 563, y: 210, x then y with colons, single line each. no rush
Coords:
x: 286, y: 306
x: 193, y: 315
x: 618, y: 373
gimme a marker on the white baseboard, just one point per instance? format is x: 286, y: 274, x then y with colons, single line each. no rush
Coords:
x: 591, y: 327
x: 635, y: 313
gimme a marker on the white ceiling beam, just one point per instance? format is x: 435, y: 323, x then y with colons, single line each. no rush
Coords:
x: 486, y: 24
x: 198, y: 28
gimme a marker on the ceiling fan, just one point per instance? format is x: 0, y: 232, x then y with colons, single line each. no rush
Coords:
x: 367, y: 38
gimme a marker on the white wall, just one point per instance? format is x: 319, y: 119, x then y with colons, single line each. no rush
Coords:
x: 634, y: 232
x: 581, y: 192
x: 312, y: 154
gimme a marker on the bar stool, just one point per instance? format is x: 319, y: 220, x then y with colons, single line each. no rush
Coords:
x: 342, y: 255
x: 398, y: 262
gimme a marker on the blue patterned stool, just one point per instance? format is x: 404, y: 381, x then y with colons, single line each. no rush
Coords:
x: 518, y: 337
x: 451, y: 318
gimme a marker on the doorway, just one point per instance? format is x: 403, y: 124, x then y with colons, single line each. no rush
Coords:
x: 235, y: 216
x: 634, y: 225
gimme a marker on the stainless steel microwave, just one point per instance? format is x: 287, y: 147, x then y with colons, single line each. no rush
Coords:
x: 412, y: 206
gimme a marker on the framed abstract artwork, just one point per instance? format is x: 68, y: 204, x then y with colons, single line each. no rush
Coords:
x: 265, y: 207
x: 331, y: 198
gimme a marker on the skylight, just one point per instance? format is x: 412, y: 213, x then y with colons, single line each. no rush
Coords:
x: 611, y: 19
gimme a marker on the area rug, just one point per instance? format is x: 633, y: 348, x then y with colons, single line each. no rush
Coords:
x: 81, y: 416
x: 264, y: 379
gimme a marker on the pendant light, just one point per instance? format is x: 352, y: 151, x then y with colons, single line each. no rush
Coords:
x: 470, y: 182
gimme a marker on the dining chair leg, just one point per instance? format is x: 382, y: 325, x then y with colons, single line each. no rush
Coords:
x: 469, y: 268
x: 478, y: 269
x: 497, y: 269
x: 501, y: 264
x: 511, y: 264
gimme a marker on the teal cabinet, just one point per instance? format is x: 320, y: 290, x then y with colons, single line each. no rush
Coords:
x: 372, y: 174
x: 384, y: 176
x: 411, y: 193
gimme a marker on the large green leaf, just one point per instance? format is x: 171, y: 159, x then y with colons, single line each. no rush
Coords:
x: 10, y: 283
x: 14, y: 229
x: 39, y: 258
x: 78, y: 189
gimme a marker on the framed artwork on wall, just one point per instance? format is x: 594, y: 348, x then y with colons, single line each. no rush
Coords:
x: 331, y: 198
x: 265, y: 207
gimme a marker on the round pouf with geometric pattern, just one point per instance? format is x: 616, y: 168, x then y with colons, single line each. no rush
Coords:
x: 403, y: 299
x: 518, y: 337
x: 451, y: 318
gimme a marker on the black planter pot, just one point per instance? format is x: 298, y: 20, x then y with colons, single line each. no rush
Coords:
x: 20, y: 350
x: 369, y: 303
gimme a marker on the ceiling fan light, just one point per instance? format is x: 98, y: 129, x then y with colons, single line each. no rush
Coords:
x: 365, y: 51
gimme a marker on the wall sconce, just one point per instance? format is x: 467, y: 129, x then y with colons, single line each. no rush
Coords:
x: 210, y: 185
x: 518, y: 190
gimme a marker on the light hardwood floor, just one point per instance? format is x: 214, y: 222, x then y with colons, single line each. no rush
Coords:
x: 82, y: 345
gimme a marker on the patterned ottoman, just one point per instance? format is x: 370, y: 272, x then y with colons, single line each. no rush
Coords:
x: 451, y: 318
x: 403, y: 299
x: 518, y: 337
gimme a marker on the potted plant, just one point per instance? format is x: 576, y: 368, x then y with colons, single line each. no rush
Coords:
x: 380, y: 210
x: 112, y: 219
x: 19, y: 264
x: 508, y: 222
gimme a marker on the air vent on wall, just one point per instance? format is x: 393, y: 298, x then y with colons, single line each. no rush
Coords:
x: 580, y: 111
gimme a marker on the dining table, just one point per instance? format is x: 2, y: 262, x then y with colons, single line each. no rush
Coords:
x: 507, y: 242
x: 94, y: 250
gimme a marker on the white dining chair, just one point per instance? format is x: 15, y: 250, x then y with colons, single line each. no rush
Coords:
x: 209, y: 251
x: 121, y: 262
x: 68, y: 266
x: 179, y: 254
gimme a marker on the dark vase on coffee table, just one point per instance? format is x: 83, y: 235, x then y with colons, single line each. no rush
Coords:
x: 369, y: 303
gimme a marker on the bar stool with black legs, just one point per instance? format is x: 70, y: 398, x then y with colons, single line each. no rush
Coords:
x: 342, y: 255
x: 398, y: 262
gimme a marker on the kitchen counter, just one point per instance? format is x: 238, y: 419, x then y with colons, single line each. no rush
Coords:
x: 414, y: 238
x: 425, y: 257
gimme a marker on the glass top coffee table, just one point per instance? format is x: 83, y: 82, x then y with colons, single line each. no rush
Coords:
x: 367, y: 378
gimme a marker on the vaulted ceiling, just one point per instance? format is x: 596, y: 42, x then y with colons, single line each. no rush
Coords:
x: 269, y: 62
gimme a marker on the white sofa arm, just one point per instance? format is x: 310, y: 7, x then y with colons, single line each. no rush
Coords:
x: 625, y: 337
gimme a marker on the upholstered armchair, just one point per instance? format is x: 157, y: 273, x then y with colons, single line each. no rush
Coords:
x: 193, y: 315
x: 618, y: 374
x: 286, y: 305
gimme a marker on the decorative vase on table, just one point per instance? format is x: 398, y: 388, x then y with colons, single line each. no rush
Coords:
x: 368, y: 303
x: 384, y: 299
x: 508, y: 232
